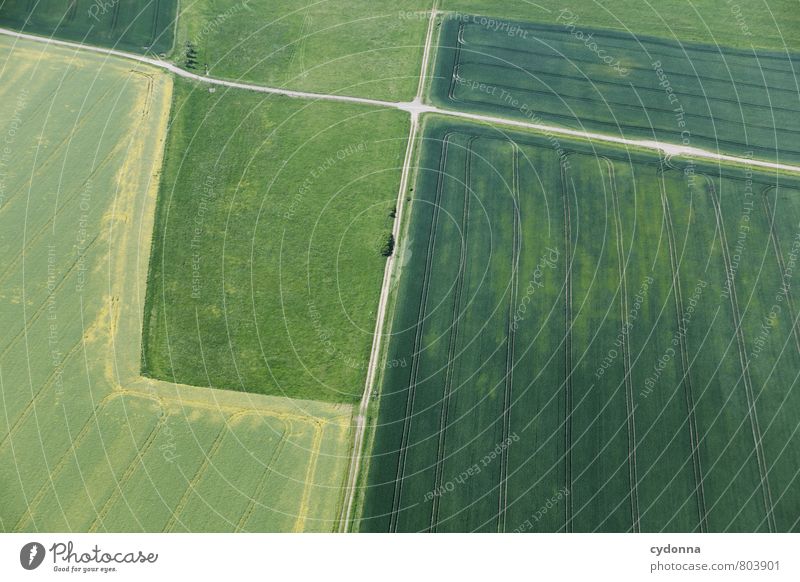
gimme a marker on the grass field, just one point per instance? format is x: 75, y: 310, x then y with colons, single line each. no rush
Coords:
x: 769, y: 24
x: 267, y: 264
x: 594, y: 341
x: 86, y: 443
x: 140, y: 26
x: 728, y: 100
x: 352, y: 47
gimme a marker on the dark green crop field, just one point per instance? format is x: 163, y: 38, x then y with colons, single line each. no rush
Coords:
x: 770, y: 24
x: 266, y: 264
x: 589, y: 340
x: 135, y: 25
x: 742, y: 102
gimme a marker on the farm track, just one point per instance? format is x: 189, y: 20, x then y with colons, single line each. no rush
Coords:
x: 409, y: 108
x: 568, y: 510
x: 685, y: 362
x: 454, y: 335
x: 510, y: 336
x: 416, y: 107
x: 626, y: 356
x: 646, y: 144
x: 751, y: 401
x: 418, y: 335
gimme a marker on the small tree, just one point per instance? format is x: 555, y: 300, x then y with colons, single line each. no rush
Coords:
x: 388, y: 246
x: 191, y: 56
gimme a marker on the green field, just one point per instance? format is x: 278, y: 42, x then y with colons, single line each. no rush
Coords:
x: 574, y: 322
x: 86, y: 443
x: 729, y: 100
x: 140, y: 26
x: 770, y: 24
x: 352, y: 47
x: 266, y: 266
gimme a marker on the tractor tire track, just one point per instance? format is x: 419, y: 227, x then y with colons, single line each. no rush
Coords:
x: 685, y: 361
x: 626, y: 356
x: 740, y: 340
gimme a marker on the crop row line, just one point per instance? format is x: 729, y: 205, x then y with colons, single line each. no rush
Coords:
x: 645, y: 71
x: 418, y: 333
x: 198, y: 475
x: 416, y: 107
x: 748, y: 388
x: 776, y: 245
x: 130, y: 470
x: 510, y: 341
x: 696, y: 57
x: 563, y: 98
x: 29, y: 407
x: 262, y: 483
x: 686, y: 380
x: 154, y: 27
x: 115, y: 16
x: 11, y: 262
x: 626, y: 356
x: 637, y: 89
x: 568, y: 511
x: 53, y: 153
x: 454, y: 335
x: 70, y: 452
x: 44, y: 306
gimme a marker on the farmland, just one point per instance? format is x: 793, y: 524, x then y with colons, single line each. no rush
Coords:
x: 595, y: 339
x: 86, y: 443
x: 139, y: 26
x: 266, y: 265
x: 734, y: 101
x: 767, y: 25
x: 352, y: 47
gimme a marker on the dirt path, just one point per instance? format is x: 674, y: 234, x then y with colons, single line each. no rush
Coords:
x: 416, y: 107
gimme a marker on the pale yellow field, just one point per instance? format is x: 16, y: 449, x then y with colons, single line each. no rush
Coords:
x: 86, y: 443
